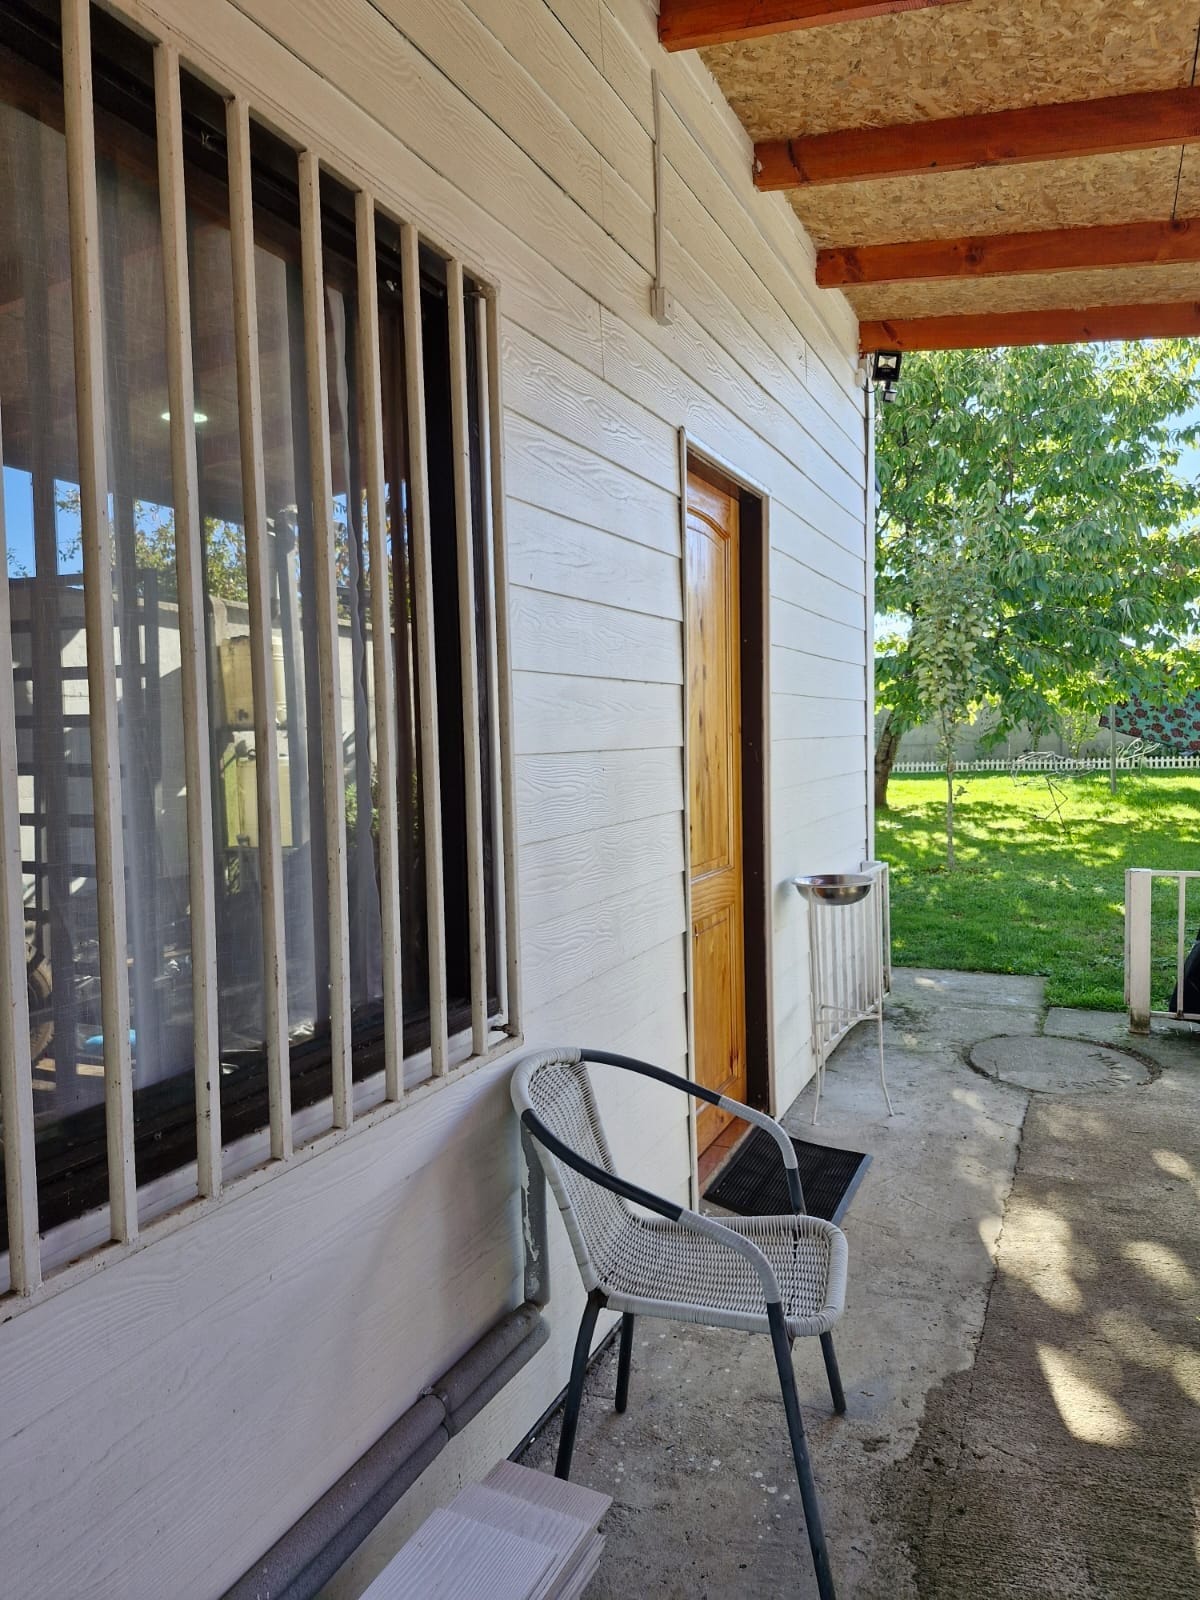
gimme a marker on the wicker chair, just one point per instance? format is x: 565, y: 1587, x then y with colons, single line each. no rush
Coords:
x: 785, y: 1276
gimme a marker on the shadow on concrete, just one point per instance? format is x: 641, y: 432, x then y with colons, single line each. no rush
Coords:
x: 1066, y: 1462
x: 1020, y: 1358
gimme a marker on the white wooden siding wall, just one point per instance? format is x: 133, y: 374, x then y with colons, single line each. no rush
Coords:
x: 191, y: 1390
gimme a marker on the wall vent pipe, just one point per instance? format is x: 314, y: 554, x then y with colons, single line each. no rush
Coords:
x: 299, y: 1564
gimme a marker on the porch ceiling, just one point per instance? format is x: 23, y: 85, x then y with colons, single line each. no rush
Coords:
x: 997, y: 152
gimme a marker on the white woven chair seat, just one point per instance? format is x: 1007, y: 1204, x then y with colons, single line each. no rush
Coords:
x: 654, y: 1267
x: 661, y: 1268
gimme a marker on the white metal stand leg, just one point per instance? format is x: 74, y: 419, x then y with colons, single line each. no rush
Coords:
x: 814, y: 1002
x: 846, y: 969
x: 877, y: 957
x: 882, y: 1073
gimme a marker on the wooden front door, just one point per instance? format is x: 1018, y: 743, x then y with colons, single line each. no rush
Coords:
x: 715, y: 796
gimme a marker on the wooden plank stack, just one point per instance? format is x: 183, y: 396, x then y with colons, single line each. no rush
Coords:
x: 518, y: 1535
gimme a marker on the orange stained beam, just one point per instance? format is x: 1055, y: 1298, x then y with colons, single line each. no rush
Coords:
x: 688, y: 24
x: 1122, y: 244
x: 992, y: 139
x: 992, y: 329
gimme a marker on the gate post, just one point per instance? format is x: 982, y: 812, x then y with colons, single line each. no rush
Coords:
x: 1137, y: 948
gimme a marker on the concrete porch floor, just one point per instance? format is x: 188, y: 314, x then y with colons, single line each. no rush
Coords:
x: 1020, y: 1348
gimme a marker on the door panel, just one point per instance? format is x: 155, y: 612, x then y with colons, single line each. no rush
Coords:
x: 715, y: 796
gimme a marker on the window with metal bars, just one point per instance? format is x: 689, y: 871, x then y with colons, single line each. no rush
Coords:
x: 258, y: 804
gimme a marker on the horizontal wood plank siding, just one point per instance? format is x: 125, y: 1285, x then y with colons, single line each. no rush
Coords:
x: 803, y: 671
x: 286, y: 1329
x: 584, y: 638
x: 557, y: 556
x: 558, y: 475
x: 571, y: 793
x: 569, y: 874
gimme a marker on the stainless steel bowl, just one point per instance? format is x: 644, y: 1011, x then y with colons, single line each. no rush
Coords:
x: 834, y: 888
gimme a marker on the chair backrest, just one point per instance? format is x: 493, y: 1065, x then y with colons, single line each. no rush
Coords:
x: 555, y: 1086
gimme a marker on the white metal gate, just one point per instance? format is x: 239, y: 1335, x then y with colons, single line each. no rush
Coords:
x: 1139, y: 945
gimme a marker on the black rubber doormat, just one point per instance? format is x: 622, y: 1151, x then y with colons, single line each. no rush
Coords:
x: 753, y: 1182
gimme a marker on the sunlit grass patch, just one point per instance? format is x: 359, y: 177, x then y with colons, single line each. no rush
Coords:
x: 1035, y: 891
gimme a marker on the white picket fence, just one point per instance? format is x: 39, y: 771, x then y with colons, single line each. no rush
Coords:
x: 1049, y: 762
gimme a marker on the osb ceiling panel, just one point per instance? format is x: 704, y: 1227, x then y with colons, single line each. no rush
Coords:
x: 1035, y: 292
x: 1188, y: 202
x: 1053, y: 194
x: 983, y: 55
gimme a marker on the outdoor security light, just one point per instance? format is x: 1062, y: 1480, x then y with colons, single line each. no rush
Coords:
x: 885, y: 373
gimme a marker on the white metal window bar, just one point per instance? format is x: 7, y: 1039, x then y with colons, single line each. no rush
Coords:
x: 469, y: 653
x: 849, y: 963
x: 189, y: 558
x: 258, y: 583
x: 332, y: 778
x: 414, y: 365
x: 1140, y: 945
x: 16, y: 1067
x: 473, y: 313
x: 84, y: 213
x: 371, y: 423
x: 497, y: 547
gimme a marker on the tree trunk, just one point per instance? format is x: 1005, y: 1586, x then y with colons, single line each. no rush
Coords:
x: 950, y: 812
x: 885, y: 756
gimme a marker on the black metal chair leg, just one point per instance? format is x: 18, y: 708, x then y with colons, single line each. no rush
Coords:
x: 804, y: 1475
x: 583, y: 1349
x: 832, y: 1373
x: 623, y: 1360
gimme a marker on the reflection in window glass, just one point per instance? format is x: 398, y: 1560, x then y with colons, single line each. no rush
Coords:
x: 49, y: 649
x: 292, y: 559
x: 45, y: 577
x: 354, y: 625
x: 147, y: 638
x: 231, y: 707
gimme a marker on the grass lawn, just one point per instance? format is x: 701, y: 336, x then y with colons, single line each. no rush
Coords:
x: 1032, y: 894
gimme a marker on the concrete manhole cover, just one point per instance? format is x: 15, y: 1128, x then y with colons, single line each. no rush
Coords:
x: 1057, y: 1066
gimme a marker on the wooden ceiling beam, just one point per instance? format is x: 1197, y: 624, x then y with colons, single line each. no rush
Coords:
x: 1121, y: 244
x: 688, y: 24
x: 990, y: 330
x: 993, y: 139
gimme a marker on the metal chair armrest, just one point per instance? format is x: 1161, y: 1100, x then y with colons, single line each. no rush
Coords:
x: 709, y: 1227
x: 787, y: 1149
x: 735, y: 1108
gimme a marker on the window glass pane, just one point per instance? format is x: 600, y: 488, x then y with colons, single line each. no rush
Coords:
x: 444, y: 541
x: 293, y: 558
x: 37, y: 405
x: 46, y: 587
x: 240, y: 964
x: 147, y: 639
x: 354, y: 579
x: 409, y: 787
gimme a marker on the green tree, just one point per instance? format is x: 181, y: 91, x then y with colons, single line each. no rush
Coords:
x: 950, y: 596
x: 225, y: 551
x: 1053, y: 474
x: 154, y: 546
